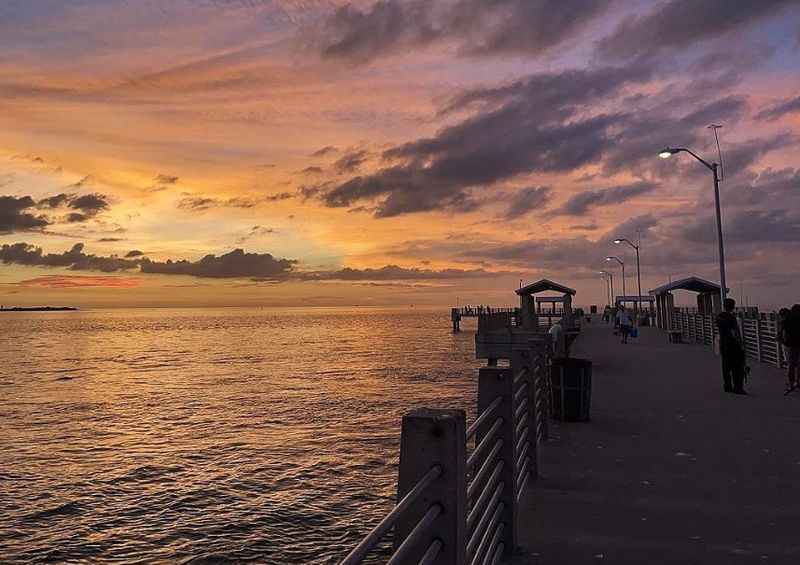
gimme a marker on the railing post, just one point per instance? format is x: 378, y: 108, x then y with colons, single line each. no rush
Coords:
x: 429, y: 438
x: 494, y: 382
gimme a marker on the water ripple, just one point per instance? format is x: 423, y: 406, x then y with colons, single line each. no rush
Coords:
x: 212, y: 436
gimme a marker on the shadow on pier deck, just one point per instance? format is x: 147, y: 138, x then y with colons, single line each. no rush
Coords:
x: 670, y: 469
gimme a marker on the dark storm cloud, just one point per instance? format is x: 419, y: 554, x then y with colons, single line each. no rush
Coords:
x: 350, y: 162
x: 14, y: 215
x: 633, y: 228
x: 278, y: 197
x: 641, y: 134
x: 235, y: 264
x: 583, y: 203
x: 679, y: 24
x: 200, y: 203
x: 166, y: 179
x: 74, y: 259
x: 87, y: 206
x: 324, y: 151
x: 203, y: 203
x: 527, y: 200
x: 394, y: 272
x: 788, y: 106
x: 480, y: 27
x: 533, y: 125
x: 56, y: 201
x: 746, y: 227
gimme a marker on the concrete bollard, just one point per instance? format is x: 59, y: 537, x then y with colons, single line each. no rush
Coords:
x: 494, y: 382
x: 429, y: 438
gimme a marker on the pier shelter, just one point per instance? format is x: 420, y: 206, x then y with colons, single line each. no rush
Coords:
x: 528, y: 302
x: 708, y: 298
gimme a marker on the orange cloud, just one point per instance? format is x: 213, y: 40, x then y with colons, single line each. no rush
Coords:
x: 78, y: 281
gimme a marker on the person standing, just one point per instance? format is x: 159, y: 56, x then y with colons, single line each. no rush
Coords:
x: 558, y: 340
x: 731, y: 349
x: 791, y: 344
x: 624, y: 321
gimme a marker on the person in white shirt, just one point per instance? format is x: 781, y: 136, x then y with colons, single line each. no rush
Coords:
x: 625, y: 323
x: 559, y: 340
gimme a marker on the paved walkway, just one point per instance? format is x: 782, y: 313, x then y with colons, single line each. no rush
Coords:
x: 670, y: 470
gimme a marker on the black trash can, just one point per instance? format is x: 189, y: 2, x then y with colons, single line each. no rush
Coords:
x: 571, y: 386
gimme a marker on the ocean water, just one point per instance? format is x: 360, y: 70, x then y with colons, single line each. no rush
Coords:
x: 212, y: 435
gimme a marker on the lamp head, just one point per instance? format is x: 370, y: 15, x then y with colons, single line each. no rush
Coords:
x: 668, y: 152
x: 610, y: 258
x: 618, y: 240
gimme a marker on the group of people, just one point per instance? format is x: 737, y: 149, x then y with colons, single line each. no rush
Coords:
x: 622, y: 320
x: 734, y: 364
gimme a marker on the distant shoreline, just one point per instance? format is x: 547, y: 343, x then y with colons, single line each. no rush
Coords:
x: 40, y: 309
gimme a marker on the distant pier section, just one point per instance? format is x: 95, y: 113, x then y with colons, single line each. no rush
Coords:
x: 475, y: 311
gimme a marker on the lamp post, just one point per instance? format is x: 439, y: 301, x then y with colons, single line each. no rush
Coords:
x: 714, y: 168
x: 609, y: 279
x: 619, y: 240
x: 621, y: 262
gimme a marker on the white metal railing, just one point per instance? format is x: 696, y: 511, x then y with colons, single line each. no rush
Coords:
x: 459, y: 487
x: 759, y: 332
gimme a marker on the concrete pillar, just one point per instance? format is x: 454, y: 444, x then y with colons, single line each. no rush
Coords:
x: 528, y: 315
x: 435, y: 437
x: 669, y: 307
x: 494, y: 382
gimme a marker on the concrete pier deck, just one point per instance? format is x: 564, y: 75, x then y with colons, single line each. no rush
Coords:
x: 670, y: 470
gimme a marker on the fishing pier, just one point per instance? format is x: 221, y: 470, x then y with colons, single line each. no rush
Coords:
x: 669, y: 469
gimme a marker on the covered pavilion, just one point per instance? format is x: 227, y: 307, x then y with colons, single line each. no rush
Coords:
x: 708, y: 298
x: 527, y: 302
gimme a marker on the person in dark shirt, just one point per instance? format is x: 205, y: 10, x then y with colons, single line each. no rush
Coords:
x: 790, y: 337
x: 731, y: 349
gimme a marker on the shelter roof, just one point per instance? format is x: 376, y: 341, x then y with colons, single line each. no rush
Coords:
x: 544, y: 285
x: 692, y: 284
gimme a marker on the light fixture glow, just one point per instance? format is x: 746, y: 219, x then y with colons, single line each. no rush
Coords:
x: 667, y: 153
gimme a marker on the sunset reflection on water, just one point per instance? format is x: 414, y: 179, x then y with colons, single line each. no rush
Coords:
x: 218, y: 434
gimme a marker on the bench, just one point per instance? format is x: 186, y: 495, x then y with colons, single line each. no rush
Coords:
x: 675, y: 336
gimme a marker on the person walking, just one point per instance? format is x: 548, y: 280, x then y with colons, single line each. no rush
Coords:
x: 731, y: 349
x: 791, y: 344
x: 624, y: 321
x: 558, y: 340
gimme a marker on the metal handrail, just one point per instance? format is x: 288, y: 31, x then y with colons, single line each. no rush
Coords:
x: 484, y: 443
x: 475, y: 537
x: 484, y: 469
x: 522, y: 455
x: 520, y: 374
x: 413, y: 538
x: 522, y: 439
x: 483, y: 417
x: 489, y: 534
x: 493, y: 546
x: 519, y: 409
x: 519, y: 392
x: 371, y: 540
x: 498, y: 554
x: 429, y: 558
x: 490, y: 484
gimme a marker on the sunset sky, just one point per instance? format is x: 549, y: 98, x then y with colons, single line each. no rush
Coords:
x: 324, y: 152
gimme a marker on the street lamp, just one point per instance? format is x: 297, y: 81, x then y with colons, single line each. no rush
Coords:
x: 610, y: 278
x: 714, y: 168
x: 638, y: 271
x: 621, y: 262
